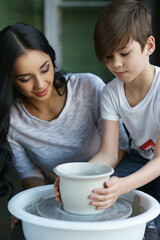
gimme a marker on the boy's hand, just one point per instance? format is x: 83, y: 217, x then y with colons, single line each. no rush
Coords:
x: 56, y: 190
x: 105, y: 197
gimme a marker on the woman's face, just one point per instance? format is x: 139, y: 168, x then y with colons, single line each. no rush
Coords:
x: 34, y: 75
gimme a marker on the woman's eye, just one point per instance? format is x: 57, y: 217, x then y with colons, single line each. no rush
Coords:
x: 46, y: 69
x: 24, y: 80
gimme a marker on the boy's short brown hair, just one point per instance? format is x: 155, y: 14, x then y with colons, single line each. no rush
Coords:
x: 119, y: 22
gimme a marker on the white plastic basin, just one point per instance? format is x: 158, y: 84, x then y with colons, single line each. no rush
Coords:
x: 40, y: 228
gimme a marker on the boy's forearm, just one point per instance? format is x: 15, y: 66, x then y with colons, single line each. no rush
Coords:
x: 143, y: 176
x: 104, y: 158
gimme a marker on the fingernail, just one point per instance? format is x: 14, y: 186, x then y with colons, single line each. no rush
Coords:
x: 95, y: 191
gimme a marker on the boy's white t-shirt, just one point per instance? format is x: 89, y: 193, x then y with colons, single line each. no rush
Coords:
x: 141, y: 121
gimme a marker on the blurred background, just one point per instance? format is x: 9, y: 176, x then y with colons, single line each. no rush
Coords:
x: 69, y: 27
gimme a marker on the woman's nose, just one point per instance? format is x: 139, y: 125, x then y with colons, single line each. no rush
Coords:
x: 39, y: 83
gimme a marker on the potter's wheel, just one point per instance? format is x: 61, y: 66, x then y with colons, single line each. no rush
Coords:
x: 50, y: 208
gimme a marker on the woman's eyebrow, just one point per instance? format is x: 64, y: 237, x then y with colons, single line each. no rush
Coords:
x: 44, y: 64
x: 22, y: 75
x: 26, y: 74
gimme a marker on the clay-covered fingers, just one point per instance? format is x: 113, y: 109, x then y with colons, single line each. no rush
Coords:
x: 103, y: 205
x: 102, y: 200
x: 105, y: 197
x: 56, y: 190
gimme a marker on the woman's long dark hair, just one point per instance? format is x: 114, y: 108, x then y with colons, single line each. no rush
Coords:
x: 14, y: 41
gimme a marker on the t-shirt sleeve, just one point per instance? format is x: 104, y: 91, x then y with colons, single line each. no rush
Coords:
x: 108, y: 104
x: 22, y: 162
x: 109, y: 112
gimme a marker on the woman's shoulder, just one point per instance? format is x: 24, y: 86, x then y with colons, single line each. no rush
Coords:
x: 16, y: 114
x: 86, y: 80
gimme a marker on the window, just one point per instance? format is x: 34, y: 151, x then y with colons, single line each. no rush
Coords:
x: 69, y: 26
x: 27, y: 11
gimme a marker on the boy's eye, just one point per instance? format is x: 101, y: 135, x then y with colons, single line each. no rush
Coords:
x: 46, y: 68
x: 108, y: 57
x: 124, y: 54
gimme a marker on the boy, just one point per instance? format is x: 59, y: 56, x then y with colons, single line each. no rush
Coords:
x: 123, y: 42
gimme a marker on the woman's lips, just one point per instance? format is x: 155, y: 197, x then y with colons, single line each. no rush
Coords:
x: 42, y: 93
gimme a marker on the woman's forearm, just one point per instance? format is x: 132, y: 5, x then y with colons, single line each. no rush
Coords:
x: 121, y: 155
x: 32, y: 182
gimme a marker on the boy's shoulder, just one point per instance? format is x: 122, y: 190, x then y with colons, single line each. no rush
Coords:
x: 156, y: 81
x: 113, y: 88
x: 157, y: 68
x: 113, y: 84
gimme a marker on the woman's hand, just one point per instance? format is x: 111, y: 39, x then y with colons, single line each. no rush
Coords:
x: 56, y: 190
x: 14, y: 221
x: 105, y: 197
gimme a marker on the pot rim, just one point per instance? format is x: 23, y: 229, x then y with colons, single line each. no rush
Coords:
x: 75, y: 175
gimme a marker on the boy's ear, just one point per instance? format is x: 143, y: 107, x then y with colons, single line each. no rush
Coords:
x: 150, y: 45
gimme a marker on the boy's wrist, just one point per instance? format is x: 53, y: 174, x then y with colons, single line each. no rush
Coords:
x: 126, y: 185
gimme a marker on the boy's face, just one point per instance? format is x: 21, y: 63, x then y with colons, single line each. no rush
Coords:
x: 128, y: 63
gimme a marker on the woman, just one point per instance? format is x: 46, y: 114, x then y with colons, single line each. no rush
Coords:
x: 48, y: 118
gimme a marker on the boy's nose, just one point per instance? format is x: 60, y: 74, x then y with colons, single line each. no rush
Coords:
x: 117, y: 62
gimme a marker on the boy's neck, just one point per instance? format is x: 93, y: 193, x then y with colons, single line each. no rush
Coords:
x: 136, y: 91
